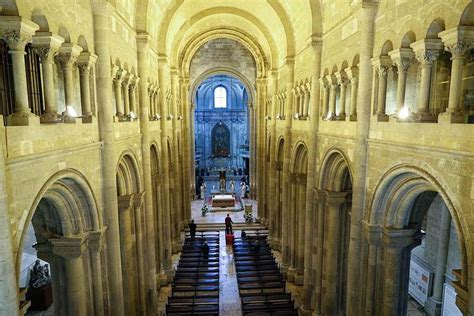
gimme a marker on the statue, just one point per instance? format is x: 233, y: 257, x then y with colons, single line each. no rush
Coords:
x: 243, y: 187
x: 232, y: 186
x: 39, y: 275
x: 203, y: 191
x: 222, y: 184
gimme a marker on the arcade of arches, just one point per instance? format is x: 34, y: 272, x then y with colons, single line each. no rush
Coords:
x: 358, y: 134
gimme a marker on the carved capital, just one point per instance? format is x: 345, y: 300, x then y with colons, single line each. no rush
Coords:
x: 69, y: 247
x: 372, y: 233
x: 125, y: 202
x: 46, y: 45
x: 335, y: 199
x: 458, y: 49
x: 138, y: 199
x: 341, y: 78
x: 398, y: 238
x: 68, y: 54
x: 96, y: 239
x: 85, y: 62
x: 427, y: 57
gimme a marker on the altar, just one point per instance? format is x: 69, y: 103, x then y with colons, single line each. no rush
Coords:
x: 224, y: 201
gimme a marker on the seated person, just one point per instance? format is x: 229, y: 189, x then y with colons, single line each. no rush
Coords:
x: 243, y: 235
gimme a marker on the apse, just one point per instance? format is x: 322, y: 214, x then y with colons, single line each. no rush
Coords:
x: 221, y: 127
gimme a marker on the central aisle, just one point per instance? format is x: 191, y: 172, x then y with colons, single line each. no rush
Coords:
x: 229, y: 300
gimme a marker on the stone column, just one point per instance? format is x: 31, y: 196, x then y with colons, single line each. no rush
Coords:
x: 342, y: 81
x: 187, y: 137
x: 332, y: 97
x: 143, y: 42
x: 67, y: 56
x: 140, y: 237
x: 8, y: 278
x: 301, y: 209
x: 17, y: 33
x: 320, y: 202
x: 325, y: 86
x: 332, y: 249
x: 126, y: 95
x: 85, y: 62
x: 307, y: 100
x: 402, y: 58
x: 290, y: 63
x: 353, y: 77
x: 458, y: 41
x: 366, y: 14
x: 101, y: 16
x: 396, y: 254
x: 118, y: 75
x: 373, y: 235
x: 72, y: 249
x: 129, y: 257
x: 167, y: 264
x: 260, y: 146
x: 434, y: 303
x: 427, y: 51
x: 133, y: 95
x: 96, y: 243
x: 311, y: 207
x: 382, y: 65
x: 46, y: 45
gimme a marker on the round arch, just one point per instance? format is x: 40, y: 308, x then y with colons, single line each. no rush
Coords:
x: 335, y: 170
x: 128, y: 174
x: 221, y: 71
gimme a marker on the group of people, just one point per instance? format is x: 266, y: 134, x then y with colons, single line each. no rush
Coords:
x: 228, y: 227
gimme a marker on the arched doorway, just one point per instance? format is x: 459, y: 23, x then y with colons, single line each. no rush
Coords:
x: 418, y: 230
x: 334, y: 198
x: 132, y: 233
x: 65, y: 232
x: 297, y: 192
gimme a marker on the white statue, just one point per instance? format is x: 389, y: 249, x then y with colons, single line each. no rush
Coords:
x: 232, y: 186
x: 243, y: 187
x: 203, y: 191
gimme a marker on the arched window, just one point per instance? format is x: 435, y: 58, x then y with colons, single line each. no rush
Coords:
x: 220, y: 97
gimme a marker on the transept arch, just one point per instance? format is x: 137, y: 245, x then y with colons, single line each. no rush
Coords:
x: 66, y: 225
x: 400, y: 204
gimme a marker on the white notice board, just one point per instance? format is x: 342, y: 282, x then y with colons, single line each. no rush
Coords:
x: 420, y: 282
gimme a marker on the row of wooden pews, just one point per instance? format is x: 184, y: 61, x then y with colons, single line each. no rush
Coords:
x: 261, y: 285
x: 195, y: 289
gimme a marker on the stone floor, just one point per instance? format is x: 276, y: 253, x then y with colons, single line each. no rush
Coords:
x: 218, y: 217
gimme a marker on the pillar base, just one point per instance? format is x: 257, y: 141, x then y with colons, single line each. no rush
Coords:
x: 22, y: 119
x: 299, y: 277
x: 291, y: 274
x: 452, y: 117
x: 304, y: 311
x: 50, y: 118
x: 284, y: 271
x: 88, y: 119
x: 425, y: 117
x: 433, y: 307
x: 162, y: 279
x: 170, y: 275
x: 382, y: 117
x: 353, y: 118
x: 341, y: 117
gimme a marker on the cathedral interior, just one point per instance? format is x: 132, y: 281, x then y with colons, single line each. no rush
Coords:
x: 343, y: 127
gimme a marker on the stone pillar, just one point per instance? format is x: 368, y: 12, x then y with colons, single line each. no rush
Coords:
x: 187, y: 137
x: 260, y: 146
x: 118, y: 75
x: 167, y: 264
x: 325, y: 86
x: 126, y: 95
x: 311, y: 207
x: 342, y: 81
x: 46, y: 45
x: 101, y: 16
x: 427, y: 51
x: 133, y: 95
x: 96, y: 243
x: 434, y: 303
x: 402, y: 58
x: 373, y: 235
x: 382, y: 64
x: 129, y: 257
x: 320, y: 202
x: 140, y: 237
x: 67, y: 56
x: 272, y: 198
x: 72, y: 249
x: 458, y: 41
x: 85, y: 62
x: 9, y: 303
x: 18, y: 32
x: 353, y: 77
x: 366, y: 13
x: 286, y: 169
x: 332, y: 97
x: 307, y: 100
x: 301, y: 209
x: 332, y: 249
x: 396, y: 271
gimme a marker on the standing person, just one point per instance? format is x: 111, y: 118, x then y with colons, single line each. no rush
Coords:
x: 192, y: 229
x: 228, y: 225
x: 243, y: 188
x: 205, y: 249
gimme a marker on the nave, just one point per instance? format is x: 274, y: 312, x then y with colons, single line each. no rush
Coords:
x: 241, y: 277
